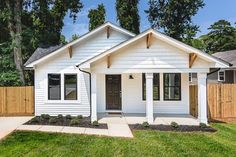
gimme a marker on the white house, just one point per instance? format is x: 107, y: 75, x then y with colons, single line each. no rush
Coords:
x: 112, y: 70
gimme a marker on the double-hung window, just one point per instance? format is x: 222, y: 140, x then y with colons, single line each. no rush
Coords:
x: 54, y: 87
x: 221, y: 76
x: 156, y: 86
x: 172, y: 86
x: 70, y: 85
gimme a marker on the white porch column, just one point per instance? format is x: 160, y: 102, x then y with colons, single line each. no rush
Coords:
x: 202, y: 97
x: 93, y: 97
x: 149, y: 97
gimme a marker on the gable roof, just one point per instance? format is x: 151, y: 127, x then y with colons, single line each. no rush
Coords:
x: 162, y: 37
x: 39, y: 56
x: 229, y: 56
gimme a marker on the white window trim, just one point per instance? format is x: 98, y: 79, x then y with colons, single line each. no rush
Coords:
x: 219, y: 76
x: 63, y: 101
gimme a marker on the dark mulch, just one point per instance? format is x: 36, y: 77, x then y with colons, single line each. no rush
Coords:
x: 181, y: 128
x: 83, y: 122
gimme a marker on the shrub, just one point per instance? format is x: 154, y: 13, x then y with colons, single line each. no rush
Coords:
x: 35, y: 120
x: 53, y: 120
x: 68, y: 116
x: 60, y: 116
x: 174, y: 125
x: 80, y: 117
x: 202, y: 125
x: 95, y: 123
x: 45, y: 116
x: 145, y: 124
x: 74, y: 122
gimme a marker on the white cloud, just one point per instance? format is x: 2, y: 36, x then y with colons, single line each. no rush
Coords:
x: 70, y: 29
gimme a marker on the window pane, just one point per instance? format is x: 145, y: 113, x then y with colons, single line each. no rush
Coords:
x: 172, y: 86
x: 54, y: 86
x: 70, y: 87
x: 156, y: 84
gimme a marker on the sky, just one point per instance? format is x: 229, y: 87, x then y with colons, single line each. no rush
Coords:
x: 213, y: 11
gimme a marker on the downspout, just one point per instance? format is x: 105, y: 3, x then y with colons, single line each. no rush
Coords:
x: 213, y: 71
x: 90, y: 88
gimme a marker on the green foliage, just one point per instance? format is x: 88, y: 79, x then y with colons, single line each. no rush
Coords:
x: 45, y: 116
x: 68, y: 116
x: 174, y: 125
x: 35, y: 119
x: 96, y: 17
x: 95, y: 123
x: 127, y: 15
x: 60, y: 116
x: 74, y: 37
x: 145, y: 124
x: 203, y: 125
x: 80, y: 117
x: 174, y: 17
x: 74, y: 122
x: 53, y: 120
x: 222, y: 37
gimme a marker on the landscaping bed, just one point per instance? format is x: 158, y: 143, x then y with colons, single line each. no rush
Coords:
x: 67, y: 120
x: 180, y: 128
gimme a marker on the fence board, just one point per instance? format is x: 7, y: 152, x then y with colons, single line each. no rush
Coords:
x: 16, y: 100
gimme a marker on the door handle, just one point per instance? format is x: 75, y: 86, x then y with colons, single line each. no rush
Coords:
x: 120, y: 94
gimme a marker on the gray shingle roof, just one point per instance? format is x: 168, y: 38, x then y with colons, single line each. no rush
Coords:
x: 229, y: 56
x: 41, y: 52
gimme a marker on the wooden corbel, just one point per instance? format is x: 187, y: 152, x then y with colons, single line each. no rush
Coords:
x: 108, y: 32
x: 149, y: 38
x: 70, y: 51
x: 192, y: 58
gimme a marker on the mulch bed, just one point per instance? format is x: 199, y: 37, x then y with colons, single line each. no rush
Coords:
x: 181, y: 128
x: 83, y: 122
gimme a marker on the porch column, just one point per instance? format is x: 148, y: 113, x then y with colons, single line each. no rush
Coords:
x: 149, y: 97
x: 93, y: 97
x: 202, y: 97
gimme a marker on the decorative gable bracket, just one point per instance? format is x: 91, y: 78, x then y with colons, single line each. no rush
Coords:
x: 148, y: 41
x: 108, y: 61
x: 70, y: 51
x: 108, y: 32
x: 192, y: 58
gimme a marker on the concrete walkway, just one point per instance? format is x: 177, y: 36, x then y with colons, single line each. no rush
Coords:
x: 9, y: 124
x: 114, y: 130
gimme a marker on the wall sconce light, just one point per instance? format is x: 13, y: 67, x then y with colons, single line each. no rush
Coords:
x: 131, y: 77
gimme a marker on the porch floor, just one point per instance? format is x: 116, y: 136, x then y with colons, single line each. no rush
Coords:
x: 134, y: 118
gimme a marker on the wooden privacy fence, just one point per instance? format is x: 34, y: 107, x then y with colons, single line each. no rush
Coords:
x: 18, y: 101
x: 221, y: 101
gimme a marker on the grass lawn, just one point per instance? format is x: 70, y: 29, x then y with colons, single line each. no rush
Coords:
x: 145, y: 143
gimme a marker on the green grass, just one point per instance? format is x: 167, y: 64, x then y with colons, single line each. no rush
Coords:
x: 145, y: 143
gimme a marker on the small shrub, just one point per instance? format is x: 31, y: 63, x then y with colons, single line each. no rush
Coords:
x: 74, y: 122
x: 95, y: 123
x: 60, y: 116
x: 80, y: 117
x: 53, y: 120
x: 145, y: 124
x: 68, y: 116
x: 35, y: 120
x: 203, y: 125
x: 174, y: 125
x: 45, y: 116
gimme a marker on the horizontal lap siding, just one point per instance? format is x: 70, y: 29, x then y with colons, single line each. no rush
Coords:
x: 61, y: 63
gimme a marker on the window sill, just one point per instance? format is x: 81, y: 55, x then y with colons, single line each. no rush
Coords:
x: 62, y: 101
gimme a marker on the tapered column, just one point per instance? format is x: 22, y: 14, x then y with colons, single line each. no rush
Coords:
x: 93, y: 97
x: 149, y: 97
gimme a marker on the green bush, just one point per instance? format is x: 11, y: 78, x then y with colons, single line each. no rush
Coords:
x: 74, y: 122
x: 80, y: 117
x: 145, y: 124
x: 45, y: 116
x: 60, y: 116
x: 53, y: 120
x: 68, y: 116
x: 203, y: 125
x: 174, y: 125
x: 35, y: 119
x: 95, y: 123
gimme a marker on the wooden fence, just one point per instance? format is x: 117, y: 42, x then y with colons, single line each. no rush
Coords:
x: 221, y: 101
x: 16, y: 101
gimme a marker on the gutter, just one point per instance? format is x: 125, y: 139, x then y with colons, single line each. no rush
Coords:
x: 90, y: 88
x: 213, y: 71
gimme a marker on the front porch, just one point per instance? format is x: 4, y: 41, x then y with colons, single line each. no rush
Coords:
x: 139, y: 118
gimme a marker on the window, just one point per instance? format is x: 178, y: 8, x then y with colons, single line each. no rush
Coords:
x: 156, y: 87
x: 172, y: 86
x: 221, y: 76
x: 54, y: 87
x: 190, y: 77
x: 70, y: 85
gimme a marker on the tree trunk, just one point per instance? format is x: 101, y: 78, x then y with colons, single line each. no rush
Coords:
x: 15, y: 27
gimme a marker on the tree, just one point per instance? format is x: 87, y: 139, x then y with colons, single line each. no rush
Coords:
x: 127, y: 14
x: 74, y: 37
x: 96, y: 17
x: 222, y: 37
x: 174, y: 17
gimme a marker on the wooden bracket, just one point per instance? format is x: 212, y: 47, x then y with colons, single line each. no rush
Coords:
x: 149, y: 38
x: 192, y: 58
x: 70, y: 51
x: 108, y: 61
x: 108, y: 32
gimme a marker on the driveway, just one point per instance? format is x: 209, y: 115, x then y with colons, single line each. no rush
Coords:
x: 9, y: 124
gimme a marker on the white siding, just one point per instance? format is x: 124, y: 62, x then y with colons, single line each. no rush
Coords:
x: 132, y: 96
x: 61, y: 63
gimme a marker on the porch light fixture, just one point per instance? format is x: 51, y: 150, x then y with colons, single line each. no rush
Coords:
x: 131, y: 77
